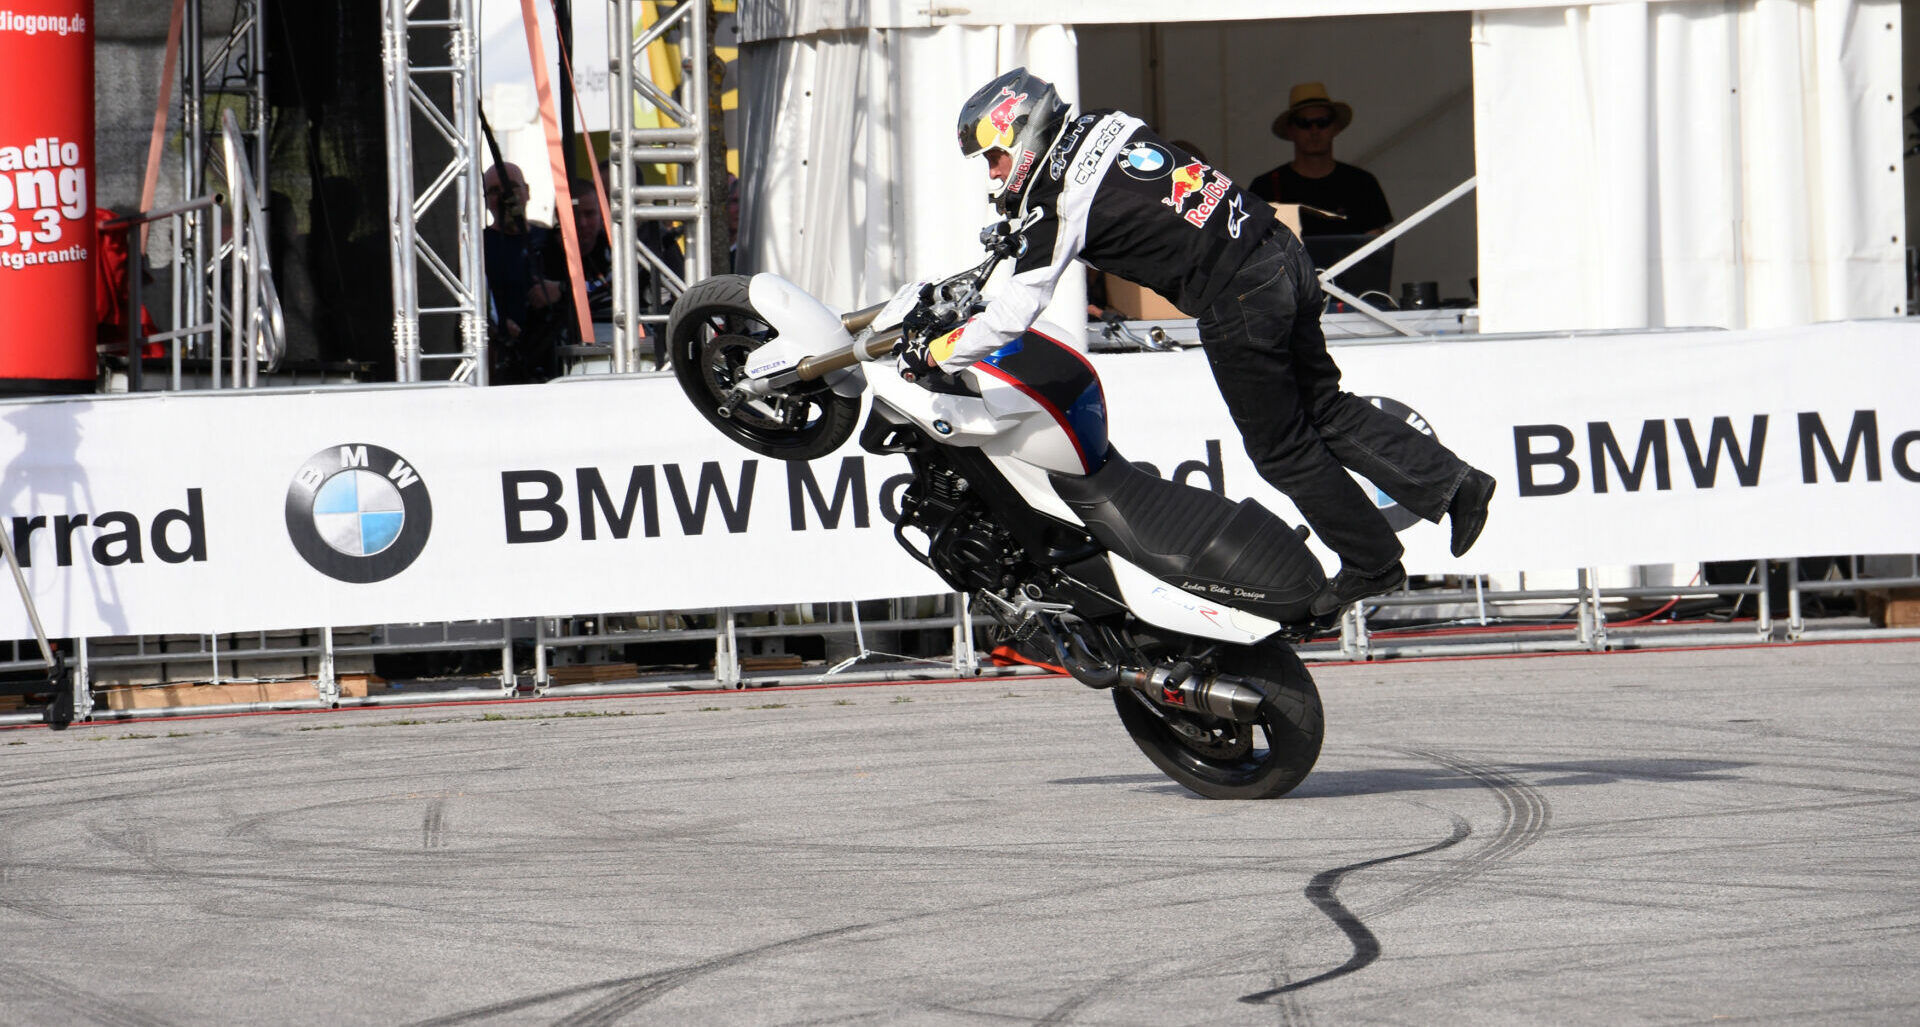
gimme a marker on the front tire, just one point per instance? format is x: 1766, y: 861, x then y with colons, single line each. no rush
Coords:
x: 710, y: 339
x: 1221, y: 759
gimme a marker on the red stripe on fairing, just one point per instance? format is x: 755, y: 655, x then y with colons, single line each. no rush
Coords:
x: 1045, y: 404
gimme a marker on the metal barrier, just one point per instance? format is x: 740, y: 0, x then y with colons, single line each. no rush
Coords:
x: 1366, y: 632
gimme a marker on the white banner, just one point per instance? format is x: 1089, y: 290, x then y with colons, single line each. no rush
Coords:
x: 201, y: 512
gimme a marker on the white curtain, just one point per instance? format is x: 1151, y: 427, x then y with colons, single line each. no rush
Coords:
x: 1727, y: 164
x: 852, y: 183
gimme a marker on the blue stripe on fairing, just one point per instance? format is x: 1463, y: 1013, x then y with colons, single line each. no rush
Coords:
x: 1088, y: 416
x: 1064, y: 383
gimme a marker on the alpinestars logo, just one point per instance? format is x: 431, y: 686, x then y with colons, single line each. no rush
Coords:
x: 358, y: 512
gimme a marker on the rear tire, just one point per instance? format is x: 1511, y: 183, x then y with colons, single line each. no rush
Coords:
x: 712, y: 333
x: 1263, y: 760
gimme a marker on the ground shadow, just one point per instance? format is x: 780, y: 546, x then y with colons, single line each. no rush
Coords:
x: 1334, y: 783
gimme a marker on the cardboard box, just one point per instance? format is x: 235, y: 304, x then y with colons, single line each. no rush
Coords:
x: 1140, y: 303
x: 1891, y: 607
x: 1289, y: 214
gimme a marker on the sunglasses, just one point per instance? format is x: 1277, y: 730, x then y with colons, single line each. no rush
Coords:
x: 1320, y: 122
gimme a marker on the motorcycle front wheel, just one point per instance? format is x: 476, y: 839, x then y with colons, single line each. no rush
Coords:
x: 711, y: 338
x: 1221, y: 759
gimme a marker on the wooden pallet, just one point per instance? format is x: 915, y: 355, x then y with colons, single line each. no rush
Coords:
x: 154, y: 697
x: 592, y: 673
x: 1892, y: 607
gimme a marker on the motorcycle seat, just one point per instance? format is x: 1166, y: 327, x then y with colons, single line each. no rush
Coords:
x: 1240, y: 554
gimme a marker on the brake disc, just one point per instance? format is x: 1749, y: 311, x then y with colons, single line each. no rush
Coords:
x: 725, y: 358
x: 1226, y: 742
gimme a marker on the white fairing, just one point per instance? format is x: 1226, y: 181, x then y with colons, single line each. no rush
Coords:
x: 806, y: 327
x: 1022, y: 438
x: 1162, y: 605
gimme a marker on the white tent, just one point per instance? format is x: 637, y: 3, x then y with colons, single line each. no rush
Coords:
x: 1735, y: 164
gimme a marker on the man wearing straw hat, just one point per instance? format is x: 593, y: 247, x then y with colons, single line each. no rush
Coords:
x: 1313, y: 177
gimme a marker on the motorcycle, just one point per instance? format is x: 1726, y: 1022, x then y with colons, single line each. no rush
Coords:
x: 1182, y: 603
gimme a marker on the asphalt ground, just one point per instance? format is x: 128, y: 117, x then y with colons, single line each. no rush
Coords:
x: 1653, y: 837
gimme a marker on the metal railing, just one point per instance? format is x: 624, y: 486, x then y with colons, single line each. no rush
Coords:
x: 1383, y: 239
x: 237, y: 325
x: 532, y: 675
x: 180, y: 338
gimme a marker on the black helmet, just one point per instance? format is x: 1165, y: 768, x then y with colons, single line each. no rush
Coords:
x: 1019, y: 113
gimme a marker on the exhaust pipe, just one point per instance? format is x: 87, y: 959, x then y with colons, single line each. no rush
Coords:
x: 1180, y: 688
x: 1175, y: 686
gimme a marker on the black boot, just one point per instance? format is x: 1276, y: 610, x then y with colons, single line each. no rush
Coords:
x: 1468, y: 511
x: 1348, y: 587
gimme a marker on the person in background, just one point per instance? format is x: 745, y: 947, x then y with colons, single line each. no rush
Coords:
x: 512, y: 246
x: 596, y: 261
x: 1313, y: 178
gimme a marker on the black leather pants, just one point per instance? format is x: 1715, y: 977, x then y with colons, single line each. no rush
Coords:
x: 1269, y: 358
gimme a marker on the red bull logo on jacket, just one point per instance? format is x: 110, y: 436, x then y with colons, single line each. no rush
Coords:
x: 1187, y: 180
x: 1210, y: 198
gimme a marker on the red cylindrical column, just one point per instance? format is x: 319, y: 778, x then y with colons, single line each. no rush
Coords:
x: 47, y: 238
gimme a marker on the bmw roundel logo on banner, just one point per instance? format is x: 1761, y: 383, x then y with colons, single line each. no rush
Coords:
x: 1399, y: 518
x: 358, y: 512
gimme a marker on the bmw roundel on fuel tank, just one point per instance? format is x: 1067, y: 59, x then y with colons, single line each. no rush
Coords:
x: 1061, y: 381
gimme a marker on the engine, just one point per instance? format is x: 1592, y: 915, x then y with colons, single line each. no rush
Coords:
x: 966, y: 546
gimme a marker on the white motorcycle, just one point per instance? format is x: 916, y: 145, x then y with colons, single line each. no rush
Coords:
x: 1183, y: 603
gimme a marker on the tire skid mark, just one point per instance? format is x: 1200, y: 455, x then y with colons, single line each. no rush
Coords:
x: 644, y: 988
x: 1064, y: 1012
x: 11, y: 878
x: 1524, y: 815
x: 630, y: 993
x: 1366, y: 947
x: 433, y: 824
x: 82, y: 1003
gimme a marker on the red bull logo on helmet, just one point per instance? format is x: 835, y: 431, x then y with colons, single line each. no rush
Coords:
x: 996, y: 128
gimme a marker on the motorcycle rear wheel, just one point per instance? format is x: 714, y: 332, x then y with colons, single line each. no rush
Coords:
x: 1262, y: 760
x: 711, y: 338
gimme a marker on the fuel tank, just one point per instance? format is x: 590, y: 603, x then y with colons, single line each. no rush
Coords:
x: 1036, y: 370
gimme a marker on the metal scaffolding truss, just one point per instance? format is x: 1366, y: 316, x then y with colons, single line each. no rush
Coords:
x: 683, y: 142
x: 445, y: 96
x: 443, y: 92
x: 235, y: 72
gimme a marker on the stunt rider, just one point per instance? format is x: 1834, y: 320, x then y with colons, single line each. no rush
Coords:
x: 1105, y: 189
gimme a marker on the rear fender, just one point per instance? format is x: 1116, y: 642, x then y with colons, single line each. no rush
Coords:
x: 1161, y: 604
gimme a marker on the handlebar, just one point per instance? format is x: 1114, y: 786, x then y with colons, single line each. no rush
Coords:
x: 1001, y: 240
